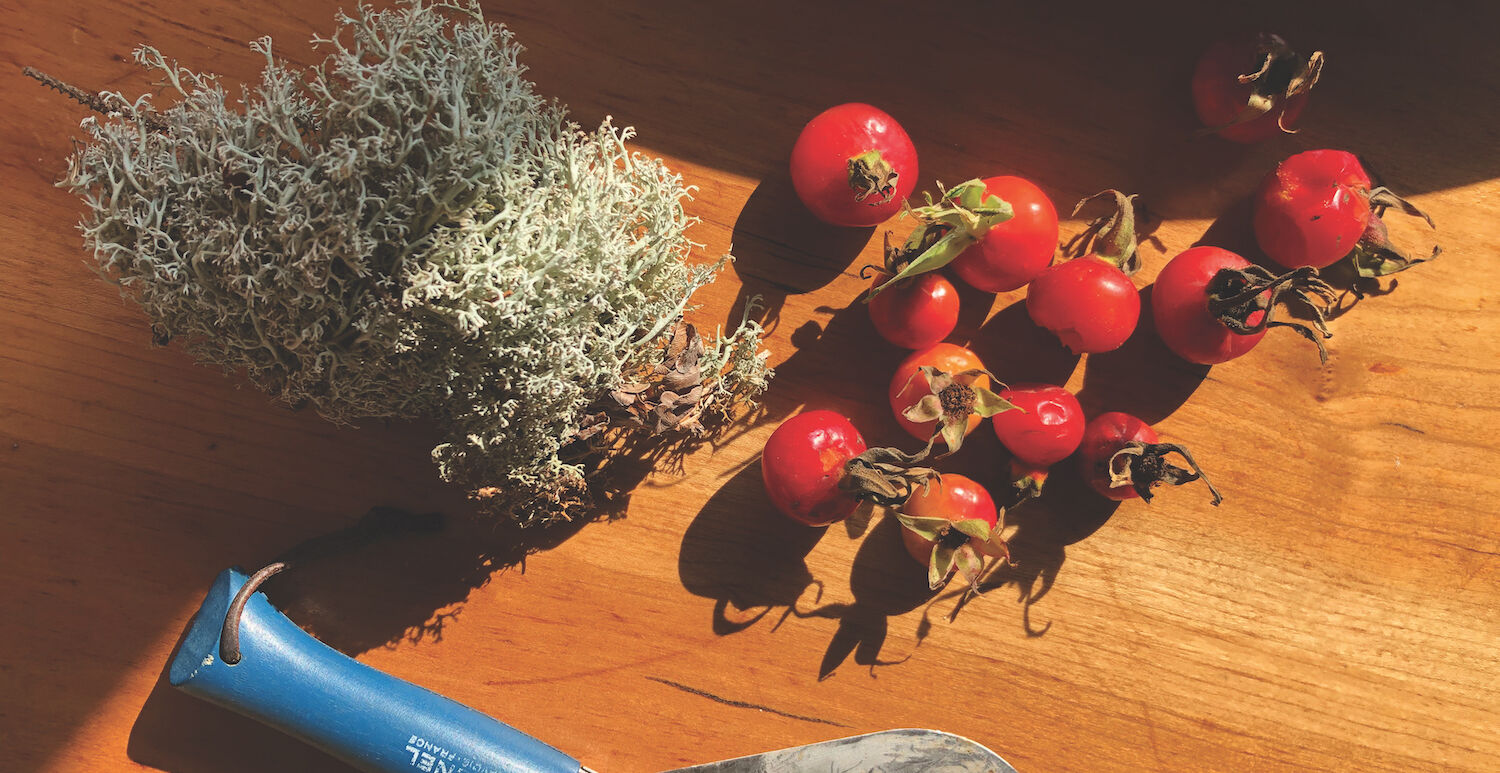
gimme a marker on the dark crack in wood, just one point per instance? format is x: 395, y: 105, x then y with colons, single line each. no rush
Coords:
x: 743, y: 704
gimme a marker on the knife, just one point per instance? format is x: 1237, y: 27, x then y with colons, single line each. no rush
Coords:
x: 929, y: 751
x: 241, y: 653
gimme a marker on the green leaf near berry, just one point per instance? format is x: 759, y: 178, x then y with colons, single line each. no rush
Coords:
x: 969, y: 564
x: 960, y: 216
x: 926, y: 528
x: 975, y: 528
x: 941, y: 566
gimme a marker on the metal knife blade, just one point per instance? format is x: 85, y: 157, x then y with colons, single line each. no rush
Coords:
x: 889, y: 751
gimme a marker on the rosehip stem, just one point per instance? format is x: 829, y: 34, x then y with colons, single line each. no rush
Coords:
x: 1235, y: 295
x: 1144, y: 465
x: 1026, y: 481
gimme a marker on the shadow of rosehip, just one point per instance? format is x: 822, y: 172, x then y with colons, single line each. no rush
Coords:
x: 780, y: 249
x: 1018, y: 351
x: 1142, y: 377
x: 1068, y: 511
x: 885, y: 582
x: 743, y: 554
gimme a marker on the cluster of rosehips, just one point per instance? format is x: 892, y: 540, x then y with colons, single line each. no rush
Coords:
x: 853, y: 165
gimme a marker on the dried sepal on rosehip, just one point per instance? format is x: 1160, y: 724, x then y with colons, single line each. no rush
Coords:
x: 1375, y: 255
x: 1110, y: 237
x: 958, y: 218
x: 881, y: 477
x: 871, y: 175
x: 1143, y: 466
x: 910, y: 383
x: 1244, y: 301
x: 1122, y: 458
x: 954, y: 547
x: 954, y: 398
x: 1283, y: 75
x: 952, y: 525
x: 1252, y: 106
x: 885, y: 476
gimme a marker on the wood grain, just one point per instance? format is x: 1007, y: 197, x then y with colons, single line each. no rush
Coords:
x: 1341, y: 610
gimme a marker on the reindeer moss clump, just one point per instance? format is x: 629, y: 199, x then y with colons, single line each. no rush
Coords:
x: 410, y: 230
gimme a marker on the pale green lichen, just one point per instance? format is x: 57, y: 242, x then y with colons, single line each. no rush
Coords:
x: 409, y: 230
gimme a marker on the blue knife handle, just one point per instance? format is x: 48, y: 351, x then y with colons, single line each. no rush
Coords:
x: 372, y: 720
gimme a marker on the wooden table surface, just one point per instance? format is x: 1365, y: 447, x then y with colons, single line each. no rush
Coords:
x: 1341, y: 610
